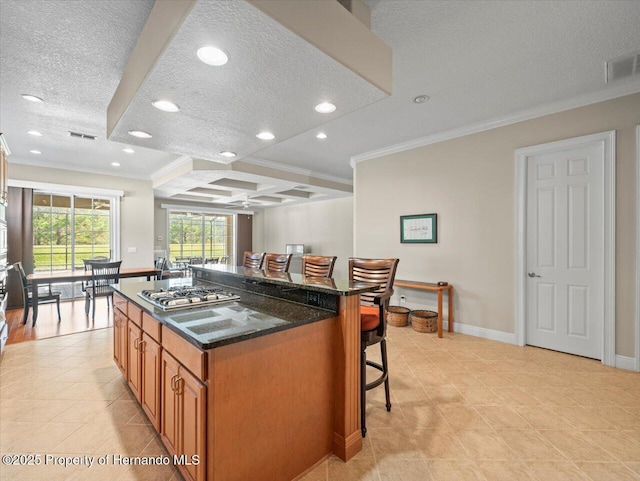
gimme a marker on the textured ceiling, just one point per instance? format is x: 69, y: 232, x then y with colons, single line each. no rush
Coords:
x: 477, y: 60
x: 272, y: 82
x: 70, y: 53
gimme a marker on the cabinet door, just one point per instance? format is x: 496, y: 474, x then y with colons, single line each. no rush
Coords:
x: 134, y: 336
x: 116, y: 338
x: 192, y: 408
x: 151, y: 377
x: 169, y: 403
x: 120, y: 341
x: 124, y: 345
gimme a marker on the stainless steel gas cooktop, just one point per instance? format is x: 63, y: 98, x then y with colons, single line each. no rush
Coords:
x: 187, y: 296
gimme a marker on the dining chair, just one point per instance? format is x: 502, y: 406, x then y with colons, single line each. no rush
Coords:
x: 164, y: 271
x: 253, y: 260
x: 318, y: 266
x: 373, y: 322
x: 195, y: 260
x: 277, y: 262
x: 87, y: 269
x: 45, y: 295
x: 103, y: 276
x: 160, y: 265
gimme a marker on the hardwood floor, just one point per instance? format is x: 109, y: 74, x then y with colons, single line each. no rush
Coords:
x: 73, y: 320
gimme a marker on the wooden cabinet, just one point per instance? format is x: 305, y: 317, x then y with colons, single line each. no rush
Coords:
x: 172, y: 397
x: 120, y: 341
x: 144, y: 371
x: 183, y: 417
x: 169, y: 403
x: 151, y: 376
x: 134, y: 359
x: 191, y: 419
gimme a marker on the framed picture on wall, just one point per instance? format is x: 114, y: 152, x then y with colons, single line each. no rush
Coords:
x: 421, y: 228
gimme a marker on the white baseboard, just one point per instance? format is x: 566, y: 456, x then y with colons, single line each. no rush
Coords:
x: 622, y: 362
x: 626, y: 362
x: 482, y: 332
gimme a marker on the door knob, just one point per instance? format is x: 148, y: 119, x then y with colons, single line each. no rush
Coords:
x: 533, y: 274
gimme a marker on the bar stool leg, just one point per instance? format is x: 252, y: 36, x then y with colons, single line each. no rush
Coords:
x: 385, y: 367
x: 363, y: 388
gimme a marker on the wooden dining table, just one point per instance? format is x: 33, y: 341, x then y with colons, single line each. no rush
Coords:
x: 78, y: 276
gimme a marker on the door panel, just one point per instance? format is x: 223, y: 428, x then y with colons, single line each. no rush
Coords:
x: 578, y: 311
x: 151, y: 379
x: 169, y: 410
x: 134, y: 336
x: 546, y: 227
x: 565, y: 250
x: 546, y: 311
x: 192, y: 410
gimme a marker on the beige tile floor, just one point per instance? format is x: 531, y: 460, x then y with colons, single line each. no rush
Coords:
x: 463, y: 409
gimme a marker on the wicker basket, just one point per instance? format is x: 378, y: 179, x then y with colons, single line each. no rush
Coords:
x: 424, y: 321
x: 398, y: 316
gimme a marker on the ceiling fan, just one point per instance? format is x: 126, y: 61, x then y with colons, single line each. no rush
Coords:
x: 247, y: 202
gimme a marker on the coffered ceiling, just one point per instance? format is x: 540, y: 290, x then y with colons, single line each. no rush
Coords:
x: 476, y: 60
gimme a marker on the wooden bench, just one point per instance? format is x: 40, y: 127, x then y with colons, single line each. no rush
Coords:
x: 430, y: 286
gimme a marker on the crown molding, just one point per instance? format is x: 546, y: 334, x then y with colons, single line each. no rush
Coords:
x: 73, y: 168
x: 527, y: 114
x: 295, y: 170
x: 5, y: 147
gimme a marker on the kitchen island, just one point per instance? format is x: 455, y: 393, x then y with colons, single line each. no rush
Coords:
x: 262, y: 387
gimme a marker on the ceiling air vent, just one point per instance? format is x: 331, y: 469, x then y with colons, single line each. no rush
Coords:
x: 623, y: 67
x: 82, y: 136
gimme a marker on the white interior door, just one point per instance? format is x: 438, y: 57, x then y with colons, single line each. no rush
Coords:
x: 565, y: 249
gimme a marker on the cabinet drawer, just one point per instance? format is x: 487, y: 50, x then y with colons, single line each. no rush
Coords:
x: 151, y: 327
x: 120, y: 302
x: 189, y: 355
x: 134, y: 313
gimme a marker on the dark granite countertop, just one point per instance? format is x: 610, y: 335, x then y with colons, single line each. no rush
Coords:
x: 339, y: 287
x: 212, y: 326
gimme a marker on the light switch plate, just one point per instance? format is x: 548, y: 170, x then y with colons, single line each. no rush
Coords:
x: 132, y: 250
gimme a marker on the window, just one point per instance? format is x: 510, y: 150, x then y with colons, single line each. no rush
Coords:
x: 204, y: 236
x: 68, y: 228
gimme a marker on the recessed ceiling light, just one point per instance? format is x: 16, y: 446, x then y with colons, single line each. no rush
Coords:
x: 141, y: 134
x: 325, y: 108
x: 115, y: 164
x: 32, y: 98
x: 35, y: 133
x: 266, y: 136
x: 165, y: 106
x: 129, y: 151
x: 226, y: 153
x: 321, y: 136
x: 37, y: 152
x: 420, y: 99
x: 212, y: 56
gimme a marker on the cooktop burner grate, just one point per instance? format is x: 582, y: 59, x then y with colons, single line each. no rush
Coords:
x: 187, y: 296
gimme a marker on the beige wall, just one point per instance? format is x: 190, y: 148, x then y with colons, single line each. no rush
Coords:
x: 469, y: 183
x: 326, y: 227
x: 136, y: 207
